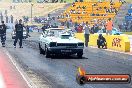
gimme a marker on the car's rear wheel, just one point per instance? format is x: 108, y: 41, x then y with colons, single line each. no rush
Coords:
x: 79, y: 55
x: 41, y: 50
x: 47, y: 53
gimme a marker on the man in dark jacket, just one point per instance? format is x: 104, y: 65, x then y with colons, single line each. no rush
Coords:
x: 45, y: 26
x: 19, y: 33
x: 3, y: 33
x: 92, y: 30
x: 101, y: 41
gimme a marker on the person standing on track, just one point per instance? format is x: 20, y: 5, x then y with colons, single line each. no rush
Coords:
x: 19, y: 33
x: 86, y: 33
x: 3, y: 33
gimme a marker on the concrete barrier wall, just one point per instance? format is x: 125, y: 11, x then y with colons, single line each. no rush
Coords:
x: 114, y: 42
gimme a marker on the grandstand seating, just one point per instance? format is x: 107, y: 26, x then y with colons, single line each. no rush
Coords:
x: 88, y: 11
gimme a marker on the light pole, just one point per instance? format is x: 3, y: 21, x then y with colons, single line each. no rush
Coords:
x: 31, y: 12
x: 92, y: 8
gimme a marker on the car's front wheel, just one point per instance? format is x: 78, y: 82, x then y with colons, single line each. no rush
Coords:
x: 47, y: 53
x: 79, y: 55
x: 41, y: 50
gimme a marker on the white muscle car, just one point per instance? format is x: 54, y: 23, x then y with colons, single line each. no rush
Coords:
x: 59, y: 41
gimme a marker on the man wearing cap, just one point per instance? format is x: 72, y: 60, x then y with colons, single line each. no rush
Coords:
x: 3, y: 33
x: 19, y: 33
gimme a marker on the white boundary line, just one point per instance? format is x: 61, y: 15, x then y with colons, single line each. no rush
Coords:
x: 24, y: 76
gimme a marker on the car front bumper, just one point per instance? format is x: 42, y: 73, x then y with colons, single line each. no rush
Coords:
x: 65, y: 50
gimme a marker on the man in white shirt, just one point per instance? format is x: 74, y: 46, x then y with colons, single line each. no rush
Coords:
x: 86, y: 33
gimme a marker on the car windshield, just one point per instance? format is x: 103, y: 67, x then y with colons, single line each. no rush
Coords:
x: 54, y: 32
x: 65, y: 36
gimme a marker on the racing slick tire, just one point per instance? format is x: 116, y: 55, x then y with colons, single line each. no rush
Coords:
x: 47, y: 53
x: 79, y: 55
x: 41, y: 50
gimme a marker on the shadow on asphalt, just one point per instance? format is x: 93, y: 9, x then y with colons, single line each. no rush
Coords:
x: 66, y: 57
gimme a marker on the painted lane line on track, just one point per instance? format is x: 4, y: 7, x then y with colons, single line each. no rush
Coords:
x: 24, y: 76
x: 2, y: 83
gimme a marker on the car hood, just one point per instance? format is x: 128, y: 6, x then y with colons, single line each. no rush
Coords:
x: 59, y: 40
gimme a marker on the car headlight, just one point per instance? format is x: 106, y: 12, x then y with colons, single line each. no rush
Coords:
x: 53, y: 44
x: 80, y: 44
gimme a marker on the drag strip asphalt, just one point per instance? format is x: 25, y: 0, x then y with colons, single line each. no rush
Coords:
x: 60, y: 72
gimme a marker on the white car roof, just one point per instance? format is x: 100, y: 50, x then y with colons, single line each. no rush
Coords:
x: 65, y: 33
x: 55, y: 29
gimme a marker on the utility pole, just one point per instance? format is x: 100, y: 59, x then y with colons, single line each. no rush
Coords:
x: 31, y: 12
